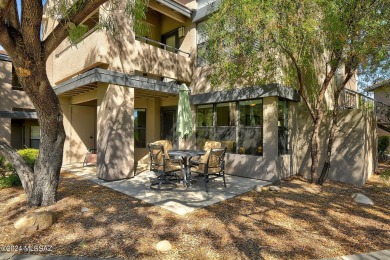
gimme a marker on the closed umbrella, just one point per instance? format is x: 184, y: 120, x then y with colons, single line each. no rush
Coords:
x: 184, y: 116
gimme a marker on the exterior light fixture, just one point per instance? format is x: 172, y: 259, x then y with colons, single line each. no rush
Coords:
x: 181, y: 31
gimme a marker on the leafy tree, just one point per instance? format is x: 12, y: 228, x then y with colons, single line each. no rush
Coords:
x: 316, y: 46
x: 20, y: 36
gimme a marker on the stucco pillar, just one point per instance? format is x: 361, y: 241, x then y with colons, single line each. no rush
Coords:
x: 115, y: 132
x: 270, y: 136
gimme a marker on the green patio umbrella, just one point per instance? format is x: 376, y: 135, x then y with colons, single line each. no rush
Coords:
x: 184, y: 115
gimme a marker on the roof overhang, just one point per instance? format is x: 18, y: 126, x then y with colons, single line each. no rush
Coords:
x: 18, y: 115
x: 176, y: 7
x: 4, y: 57
x: 87, y: 81
x: 246, y: 93
x: 378, y: 85
x: 203, y: 12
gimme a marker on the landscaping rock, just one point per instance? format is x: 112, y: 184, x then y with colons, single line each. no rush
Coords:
x: 274, y: 188
x: 163, y: 246
x: 84, y: 209
x: 258, y: 188
x: 32, y: 222
x: 362, y: 199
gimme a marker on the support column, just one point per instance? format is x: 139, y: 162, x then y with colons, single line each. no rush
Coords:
x: 115, y: 132
x: 270, y: 136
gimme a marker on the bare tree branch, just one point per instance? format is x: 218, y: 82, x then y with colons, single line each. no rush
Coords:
x: 4, y: 7
x: 31, y: 23
x: 13, y: 16
x: 6, y: 39
x: 60, y: 32
x: 23, y: 170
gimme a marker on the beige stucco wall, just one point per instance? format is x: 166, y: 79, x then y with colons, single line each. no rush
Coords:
x: 10, y: 99
x: 382, y: 94
x: 353, y: 156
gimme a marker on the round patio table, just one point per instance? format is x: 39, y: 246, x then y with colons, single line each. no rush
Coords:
x: 186, y: 155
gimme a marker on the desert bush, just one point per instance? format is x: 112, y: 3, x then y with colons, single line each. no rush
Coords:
x: 30, y: 156
x: 383, y: 145
x: 10, y: 181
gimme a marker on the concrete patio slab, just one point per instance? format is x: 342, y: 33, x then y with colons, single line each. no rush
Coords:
x: 180, y: 200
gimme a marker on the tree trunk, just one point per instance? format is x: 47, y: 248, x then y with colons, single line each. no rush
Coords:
x: 326, y: 167
x: 50, y: 117
x: 315, y: 153
x: 48, y: 166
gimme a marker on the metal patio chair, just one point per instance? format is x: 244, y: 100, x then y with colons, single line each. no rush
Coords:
x: 212, y: 165
x: 161, y: 164
x: 208, y: 145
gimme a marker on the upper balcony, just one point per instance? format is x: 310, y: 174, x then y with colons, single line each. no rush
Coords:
x: 350, y: 99
x: 163, y: 52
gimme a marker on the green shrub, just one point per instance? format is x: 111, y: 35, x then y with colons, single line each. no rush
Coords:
x: 29, y: 155
x: 10, y: 181
x: 2, y: 162
x: 383, y: 145
x: 385, y: 175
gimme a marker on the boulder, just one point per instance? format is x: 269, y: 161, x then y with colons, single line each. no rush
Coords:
x: 274, y: 188
x: 84, y: 209
x: 362, y: 199
x: 163, y: 246
x: 34, y: 221
x: 258, y: 188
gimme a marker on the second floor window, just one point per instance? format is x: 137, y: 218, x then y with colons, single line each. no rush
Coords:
x: 201, y: 39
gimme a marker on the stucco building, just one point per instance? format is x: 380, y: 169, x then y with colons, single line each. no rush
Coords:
x: 18, y: 120
x: 382, y: 96
x: 119, y: 93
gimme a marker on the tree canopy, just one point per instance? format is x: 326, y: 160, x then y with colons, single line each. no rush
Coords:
x: 314, y: 46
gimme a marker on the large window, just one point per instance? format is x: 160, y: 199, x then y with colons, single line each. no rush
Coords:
x: 219, y: 122
x: 225, y: 130
x: 35, y: 136
x: 205, y: 124
x: 140, y: 128
x: 201, y: 38
x: 282, y: 127
x: 251, y: 127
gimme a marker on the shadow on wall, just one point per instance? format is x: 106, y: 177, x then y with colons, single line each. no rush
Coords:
x: 349, y: 156
x: 115, y: 134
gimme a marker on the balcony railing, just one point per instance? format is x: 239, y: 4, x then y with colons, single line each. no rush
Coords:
x: 350, y: 99
x: 162, y: 45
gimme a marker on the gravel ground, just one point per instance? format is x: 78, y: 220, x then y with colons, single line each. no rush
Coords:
x: 299, y: 222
